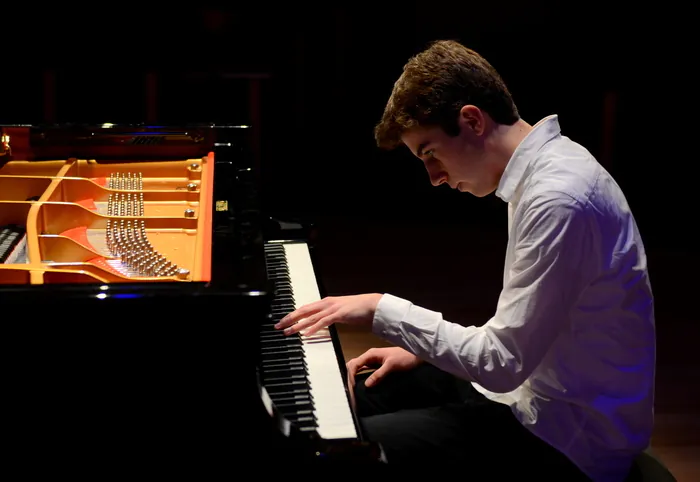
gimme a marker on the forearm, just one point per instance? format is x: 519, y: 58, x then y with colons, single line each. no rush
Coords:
x: 469, y: 352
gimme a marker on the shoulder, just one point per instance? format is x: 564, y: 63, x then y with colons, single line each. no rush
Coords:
x: 565, y: 167
x: 551, y: 207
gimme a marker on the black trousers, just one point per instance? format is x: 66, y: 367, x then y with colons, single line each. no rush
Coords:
x: 428, y: 419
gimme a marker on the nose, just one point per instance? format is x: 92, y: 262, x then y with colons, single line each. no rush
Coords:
x: 438, y: 178
x: 436, y: 173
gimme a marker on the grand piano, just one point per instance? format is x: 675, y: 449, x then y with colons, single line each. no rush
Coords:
x: 139, y: 282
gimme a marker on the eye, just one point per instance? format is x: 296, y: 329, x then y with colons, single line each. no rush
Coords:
x: 430, y: 152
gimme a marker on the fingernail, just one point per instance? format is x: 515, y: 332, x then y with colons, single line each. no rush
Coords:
x: 287, y: 331
x: 277, y: 325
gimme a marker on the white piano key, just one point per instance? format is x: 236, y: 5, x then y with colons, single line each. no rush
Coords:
x: 331, y: 404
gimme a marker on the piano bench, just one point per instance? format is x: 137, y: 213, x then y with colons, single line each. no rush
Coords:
x: 648, y: 468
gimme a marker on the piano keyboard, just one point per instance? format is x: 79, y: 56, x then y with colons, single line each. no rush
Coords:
x: 301, y: 374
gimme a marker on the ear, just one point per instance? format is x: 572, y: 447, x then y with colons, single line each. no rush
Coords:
x: 471, y: 117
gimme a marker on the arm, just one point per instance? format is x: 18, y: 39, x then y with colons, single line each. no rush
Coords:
x: 552, y: 257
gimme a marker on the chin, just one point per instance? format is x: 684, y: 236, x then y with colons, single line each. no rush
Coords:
x: 463, y: 187
x: 474, y: 192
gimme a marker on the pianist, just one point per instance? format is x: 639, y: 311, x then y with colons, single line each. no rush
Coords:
x: 558, y: 384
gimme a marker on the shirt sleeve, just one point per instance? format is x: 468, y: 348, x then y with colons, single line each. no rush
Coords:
x: 546, y: 278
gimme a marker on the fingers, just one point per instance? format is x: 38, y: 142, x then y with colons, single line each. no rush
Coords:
x: 310, y: 325
x: 367, y: 358
x: 373, y: 356
x: 370, y: 357
x: 298, y: 314
x: 377, y: 375
x: 297, y: 326
x: 318, y: 325
x: 353, y: 369
x: 309, y: 318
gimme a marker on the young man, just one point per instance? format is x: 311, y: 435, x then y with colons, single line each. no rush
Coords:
x: 559, y: 383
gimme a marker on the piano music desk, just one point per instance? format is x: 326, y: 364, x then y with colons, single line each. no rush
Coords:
x: 84, y: 221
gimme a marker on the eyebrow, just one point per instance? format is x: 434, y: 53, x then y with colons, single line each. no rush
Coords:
x: 420, y: 149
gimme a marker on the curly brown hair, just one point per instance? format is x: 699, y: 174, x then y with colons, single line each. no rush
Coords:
x: 435, y: 85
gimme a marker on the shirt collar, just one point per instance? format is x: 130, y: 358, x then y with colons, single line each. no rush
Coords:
x: 542, y: 132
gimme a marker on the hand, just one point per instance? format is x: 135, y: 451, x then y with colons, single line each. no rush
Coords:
x: 353, y: 310
x: 389, y: 359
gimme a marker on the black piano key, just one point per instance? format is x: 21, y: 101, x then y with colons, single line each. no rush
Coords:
x: 301, y: 419
x: 278, y: 357
x: 287, y: 385
x: 287, y: 388
x: 283, y: 371
x: 294, y: 399
x: 307, y: 428
x: 270, y: 362
x: 272, y: 344
x: 274, y: 253
x: 297, y: 369
x: 270, y: 332
x: 277, y: 317
x: 283, y: 298
x: 277, y: 352
x: 270, y: 328
x: 267, y: 372
x: 270, y: 378
x: 286, y: 371
x: 280, y: 339
x: 273, y: 335
x: 274, y: 364
x: 278, y: 268
x: 275, y: 258
x: 301, y: 407
x: 275, y: 343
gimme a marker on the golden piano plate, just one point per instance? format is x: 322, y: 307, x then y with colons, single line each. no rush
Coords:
x: 86, y: 221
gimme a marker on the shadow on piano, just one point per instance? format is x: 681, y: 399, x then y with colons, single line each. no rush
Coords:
x: 158, y: 359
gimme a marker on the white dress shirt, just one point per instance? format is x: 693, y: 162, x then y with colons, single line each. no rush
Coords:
x: 571, y: 346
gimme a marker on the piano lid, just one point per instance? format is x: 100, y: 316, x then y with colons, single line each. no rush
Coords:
x: 121, y: 141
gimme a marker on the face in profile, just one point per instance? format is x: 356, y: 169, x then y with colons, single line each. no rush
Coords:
x: 460, y: 161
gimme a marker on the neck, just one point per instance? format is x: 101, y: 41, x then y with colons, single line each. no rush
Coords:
x: 506, y: 140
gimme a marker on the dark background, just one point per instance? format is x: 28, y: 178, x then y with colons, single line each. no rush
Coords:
x: 330, y: 70
x: 619, y: 76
